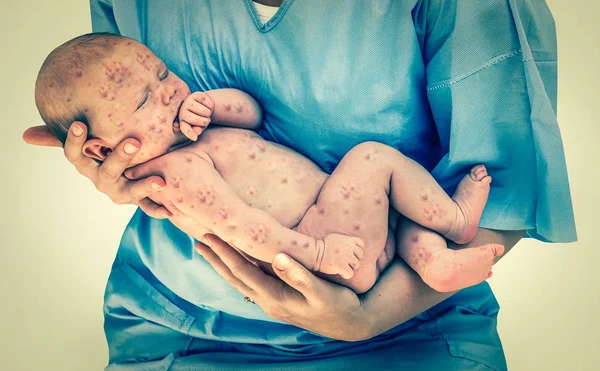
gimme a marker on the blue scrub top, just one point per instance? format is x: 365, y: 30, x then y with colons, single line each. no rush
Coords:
x: 449, y: 83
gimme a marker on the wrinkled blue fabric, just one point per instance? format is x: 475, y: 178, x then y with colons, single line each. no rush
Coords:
x: 449, y: 83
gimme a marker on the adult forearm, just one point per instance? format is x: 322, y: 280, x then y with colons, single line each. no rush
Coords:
x: 400, y: 294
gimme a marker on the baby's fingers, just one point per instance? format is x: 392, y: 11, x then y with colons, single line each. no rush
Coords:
x: 187, y: 130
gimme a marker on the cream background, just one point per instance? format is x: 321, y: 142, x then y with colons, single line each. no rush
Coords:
x: 52, y: 274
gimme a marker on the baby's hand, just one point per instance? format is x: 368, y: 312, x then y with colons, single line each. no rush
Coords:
x: 195, y: 114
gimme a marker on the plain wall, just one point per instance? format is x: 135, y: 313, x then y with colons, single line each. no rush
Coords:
x: 58, y: 235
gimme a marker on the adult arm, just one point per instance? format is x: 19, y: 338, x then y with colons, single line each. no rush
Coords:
x: 304, y: 300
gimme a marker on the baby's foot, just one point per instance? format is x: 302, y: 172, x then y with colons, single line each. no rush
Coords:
x: 452, y: 270
x: 470, y: 196
x: 339, y: 254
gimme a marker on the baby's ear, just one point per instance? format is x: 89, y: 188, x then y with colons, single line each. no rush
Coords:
x: 96, y: 148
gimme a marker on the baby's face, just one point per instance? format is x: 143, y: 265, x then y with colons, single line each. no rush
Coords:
x: 132, y: 94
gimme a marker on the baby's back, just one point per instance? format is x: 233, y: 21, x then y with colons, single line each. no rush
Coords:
x: 264, y: 174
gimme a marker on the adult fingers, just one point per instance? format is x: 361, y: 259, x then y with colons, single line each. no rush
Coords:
x: 138, y: 190
x: 222, y: 269
x: 154, y: 210
x: 240, y: 267
x: 118, y: 160
x: 298, y: 277
x: 41, y: 136
x: 73, y: 145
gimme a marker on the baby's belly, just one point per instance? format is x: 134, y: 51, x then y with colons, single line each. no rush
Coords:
x: 265, y: 175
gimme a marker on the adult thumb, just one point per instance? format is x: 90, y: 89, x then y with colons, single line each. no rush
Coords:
x: 294, y: 274
x: 41, y: 136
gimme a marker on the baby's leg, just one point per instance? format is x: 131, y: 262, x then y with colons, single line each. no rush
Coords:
x: 443, y: 269
x: 416, y: 195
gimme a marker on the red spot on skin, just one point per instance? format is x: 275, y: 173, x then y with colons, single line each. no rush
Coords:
x: 227, y: 107
x: 356, y: 227
x: 104, y: 94
x: 294, y: 242
x: 128, y: 43
x: 152, y: 127
x: 262, y: 149
x: 321, y: 211
x: 78, y: 74
x: 176, y: 184
x: 346, y: 195
x: 52, y: 85
x: 163, y: 119
x: 424, y: 197
x: 192, y: 206
x: 284, y: 180
x: 89, y: 84
x: 415, y: 238
x: 429, y: 217
x: 179, y: 199
x: 239, y: 108
x: 306, y: 245
x: 378, y: 201
x: 251, y: 156
x: 188, y: 160
x: 368, y: 156
x: 223, y: 214
x: 346, y: 212
x: 68, y: 100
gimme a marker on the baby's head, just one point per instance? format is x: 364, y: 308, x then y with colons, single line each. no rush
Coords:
x: 118, y: 88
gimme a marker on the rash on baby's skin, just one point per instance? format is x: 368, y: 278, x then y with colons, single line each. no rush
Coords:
x: 206, y: 196
x: 259, y: 232
x: 116, y: 72
x: 227, y: 107
x: 188, y: 159
x: 223, y: 213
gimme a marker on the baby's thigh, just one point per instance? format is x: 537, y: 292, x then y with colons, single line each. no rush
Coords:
x: 353, y: 206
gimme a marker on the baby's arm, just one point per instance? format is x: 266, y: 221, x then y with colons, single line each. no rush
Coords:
x: 226, y: 107
x: 200, y: 193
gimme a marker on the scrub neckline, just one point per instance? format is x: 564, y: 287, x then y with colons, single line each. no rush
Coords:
x: 271, y: 23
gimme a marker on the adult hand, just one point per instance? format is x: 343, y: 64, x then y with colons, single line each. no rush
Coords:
x: 296, y: 296
x: 107, y: 177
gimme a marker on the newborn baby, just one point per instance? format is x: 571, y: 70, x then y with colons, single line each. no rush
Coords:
x: 258, y: 196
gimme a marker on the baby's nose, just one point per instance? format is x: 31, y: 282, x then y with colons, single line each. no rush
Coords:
x: 167, y: 94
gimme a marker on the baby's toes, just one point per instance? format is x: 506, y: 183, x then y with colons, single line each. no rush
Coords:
x: 346, y: 272
x: 497, y: 250
x: 358, y: 252
x: 354, y: 264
